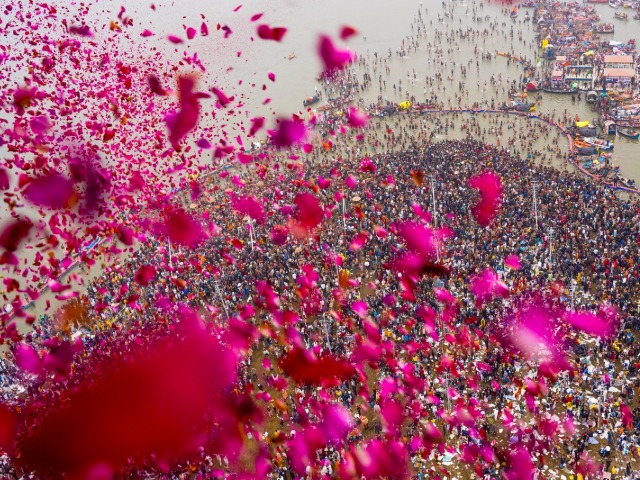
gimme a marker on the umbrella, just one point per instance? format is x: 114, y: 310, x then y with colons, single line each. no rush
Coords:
x: 356, y: 199
x: 614, y: 389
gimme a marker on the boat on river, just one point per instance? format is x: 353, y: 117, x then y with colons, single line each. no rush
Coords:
x: 599, y: 143
x: 311, y: 100
x: 560, y: 90
x: 621, y: 16
x: 592, y: 96
x: 605, y: 28
x: 628, y: 133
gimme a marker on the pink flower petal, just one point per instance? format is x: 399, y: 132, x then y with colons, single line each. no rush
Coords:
x: 175, y: 39
x: 145, y: 274
x: 265, y: 32
x: 513, y: 261
x: 82, y: 30
x: 490, y: 188
x: 487, y: 285
x: 185, y: 120
x: 13, y: 233
x: 289, y: 132
x: 52, y: 191
x: 40, y: 124
x: 347, y: 32
x: 249, y: 206
x: 222, y: 98
x: 356, y: 118
x: 332, y: 58
x: 27, y: 359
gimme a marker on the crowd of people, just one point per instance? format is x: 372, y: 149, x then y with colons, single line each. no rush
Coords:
x: 582, y: 236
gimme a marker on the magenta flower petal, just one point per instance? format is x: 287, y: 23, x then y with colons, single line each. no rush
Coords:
x: 590, y: 323
x: 180, y: 227
x: 27, y: 359
x: 513, y: 261
x: 182, y: 122
x: 82, y: 30
x: 174, y: 39
x: 490, y: 188
x: 289, y: 132
x: 145, y: 274
x: 249, y: 206
x: 222, y: 98
x: 356, y: 118
x: 265, y: 32
x: 332, y: 58
x: 40, y: 124
x: 487, y: 285
x: 5, y: 183
x: 52, y: 191
x: 347, y: 32
x: 13, y: 233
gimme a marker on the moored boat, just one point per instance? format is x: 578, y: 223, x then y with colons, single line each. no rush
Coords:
x: 311, y: 100
x: 587, y: 150
x: 628, y: 133
x: 599, y: 143
x: 605, y: 28
x: 533, y: 86
x: 591, y: 96
x: 560, y: 90
x: 621, y: 16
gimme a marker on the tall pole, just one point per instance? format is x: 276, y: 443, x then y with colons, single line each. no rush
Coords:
x: 434, y: 221
x: 344, y: 215
x: 535, y: 202
x: 170, y: 254
x: 250, y: 226
x: 224, y: 305
x: 551, y: 233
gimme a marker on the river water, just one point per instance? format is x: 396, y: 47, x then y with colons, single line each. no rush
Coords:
x: 382, y: 25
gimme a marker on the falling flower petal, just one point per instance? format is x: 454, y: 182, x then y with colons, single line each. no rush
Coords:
x: 186, y: 118
x: 52, y: 191
x: 267, y: 33
x: 289, y: 133
x: 347, y: 32
x: 332, y: 58
x: 13, y: 233
x: 304, y: 368
x: 145, y: 274
x: 490, y: 188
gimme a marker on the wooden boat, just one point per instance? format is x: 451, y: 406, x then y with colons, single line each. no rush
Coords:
x: 599, y: 143
x: 311, y: 100
x: 605, y: 28
x: 636, y: 16
x: 533, y: 86
x: 560, y: 90
x: 592, y: 96
x: 628, y: 133
x: 621, y: 16
x: 291, y: 56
